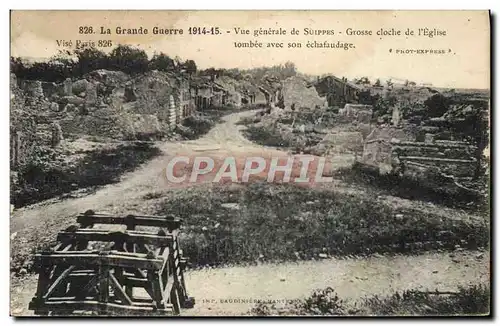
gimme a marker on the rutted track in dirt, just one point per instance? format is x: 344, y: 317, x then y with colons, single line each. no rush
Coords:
x: 134, y: 185
x: 218, y: 290
x: 352, y: 278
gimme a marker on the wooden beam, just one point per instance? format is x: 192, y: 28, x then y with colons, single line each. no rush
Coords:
x: 119, y: 290
x: 135, y: 282
x: 165, y: 258
x: 110, y: 236
x: 58, y: 281
x: 43, y: 280
x: 111, y: 308
x: 103, y: 287
x: 168, y: 222
x: 156, y: 286
x: 89, y: 259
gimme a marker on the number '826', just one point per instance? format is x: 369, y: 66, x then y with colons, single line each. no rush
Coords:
x: 85, y: 30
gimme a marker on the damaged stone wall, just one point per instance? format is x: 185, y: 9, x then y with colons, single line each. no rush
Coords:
x: 341, y: 142
x: 339, y: 92
x: 107, y: 104
x: 297, y: 95
x: 451, y: 158
x: 158, y: 94
x: 22, y: 125
x: 232, y: 94
x: 377, y: 150
x: 357, y: 112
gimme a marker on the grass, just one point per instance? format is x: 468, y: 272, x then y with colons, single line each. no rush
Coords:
x: 194, y: 127
x: 267, y: 136
x: 282, y: 134
x: 274, y: 137
x: 435, y: 191
x: 284, y: 222
x: 473, y: 300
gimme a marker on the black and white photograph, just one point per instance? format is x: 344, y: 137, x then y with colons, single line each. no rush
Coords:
x: 250, y: 163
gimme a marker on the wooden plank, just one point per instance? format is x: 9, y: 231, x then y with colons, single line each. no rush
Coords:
x: 58, y: 281
x: 130, y: 247
x: 103, y: 287
x: 110, y: 236
x: 110, y: 308
x: 43, y: 281
x: 175, y: 301
x: 165, y: 258
x: 85, y: 253
x: 86, y: 259
x: 119, y: 290
x: 63, y: 246
x: 156, y: 286
x: 132, y: 220
x: 142, y: 302
x: 168, y: 286
x: 135, y: 282
x: 78, y: 274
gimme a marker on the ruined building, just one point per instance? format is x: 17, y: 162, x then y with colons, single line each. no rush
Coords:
x: 338, y: 92
x: 416, y: 147
x: 203, y: 92
x: 297, y: 95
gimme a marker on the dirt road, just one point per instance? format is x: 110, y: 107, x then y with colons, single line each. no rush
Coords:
x: 233, y: 290
x: 224, y: 138
x: 223, y: 291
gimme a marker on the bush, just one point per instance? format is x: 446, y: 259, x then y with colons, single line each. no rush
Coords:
x: 436, y: 105
x: 47, y: 174
x: 196, y: 126
x: 324, y: 302
x: 474, y: 300
x: 466, y: 301
x: 267, y: 136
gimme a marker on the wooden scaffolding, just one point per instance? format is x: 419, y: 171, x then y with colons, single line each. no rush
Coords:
x: 104, y: 272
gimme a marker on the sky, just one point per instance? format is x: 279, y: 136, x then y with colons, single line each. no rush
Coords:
x: 465, y: 64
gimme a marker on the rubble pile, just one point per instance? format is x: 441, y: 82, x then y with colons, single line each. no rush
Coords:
x: 416, y: 145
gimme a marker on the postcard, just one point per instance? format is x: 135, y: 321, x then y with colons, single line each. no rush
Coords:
x: 250, y: 163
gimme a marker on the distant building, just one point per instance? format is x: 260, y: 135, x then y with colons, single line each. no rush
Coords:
x: 203, y: 92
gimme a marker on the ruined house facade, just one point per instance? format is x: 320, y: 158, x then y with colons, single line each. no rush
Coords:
x: 210, y: 91
x: 273, y: 93
x: 339, y: 92
x: 205, y: 93
x: 297, y: 95
x: 187, y: 104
